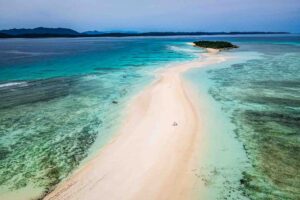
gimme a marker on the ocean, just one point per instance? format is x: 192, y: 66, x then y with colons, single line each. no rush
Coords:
x: 256, y: 94
x: 62, y: 99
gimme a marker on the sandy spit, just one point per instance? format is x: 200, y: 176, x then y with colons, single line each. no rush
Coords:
x: 154, y: 154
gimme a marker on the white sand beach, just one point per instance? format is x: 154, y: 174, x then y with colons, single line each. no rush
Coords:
x: 154, y: 152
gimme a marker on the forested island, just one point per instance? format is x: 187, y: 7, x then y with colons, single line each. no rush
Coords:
x: 221, y: 45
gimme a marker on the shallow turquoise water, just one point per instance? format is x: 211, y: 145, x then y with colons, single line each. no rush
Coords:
x: 260, y: 96
x: 62, y: 99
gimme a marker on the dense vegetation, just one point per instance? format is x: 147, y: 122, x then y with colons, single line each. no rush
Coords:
x: 215, y: 44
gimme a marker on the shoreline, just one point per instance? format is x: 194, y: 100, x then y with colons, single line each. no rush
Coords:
x: 154, y: 153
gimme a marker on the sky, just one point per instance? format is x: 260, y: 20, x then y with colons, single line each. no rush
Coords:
x: 153, y: 15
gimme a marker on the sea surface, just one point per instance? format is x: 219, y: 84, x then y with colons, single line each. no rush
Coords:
x: 62, y: 99
x: 258, y: 90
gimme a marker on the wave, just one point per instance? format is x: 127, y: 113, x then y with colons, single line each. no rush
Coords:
x: 90, y: 77
x: 184, y: 50
x: 11, y: 84
x: 30, y: 53
x: 190, y: 43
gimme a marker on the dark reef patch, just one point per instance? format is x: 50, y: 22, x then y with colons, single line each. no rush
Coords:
x: 47, y: 127
x: 262, y: 98
x: 19, y: 93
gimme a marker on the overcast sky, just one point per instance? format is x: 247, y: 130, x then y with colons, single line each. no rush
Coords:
x: 153, y: 15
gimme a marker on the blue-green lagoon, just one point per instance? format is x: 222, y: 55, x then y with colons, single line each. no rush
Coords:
x: 258, y: 91
x: 61, y: 100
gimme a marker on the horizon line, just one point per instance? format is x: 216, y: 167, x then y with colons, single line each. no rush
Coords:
x: 136, y: 31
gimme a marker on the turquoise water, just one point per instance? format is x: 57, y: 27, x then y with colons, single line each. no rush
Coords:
x: 260, y: 94
x: 61, y: 100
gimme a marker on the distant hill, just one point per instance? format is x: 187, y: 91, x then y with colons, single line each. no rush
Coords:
x: 95, y: 32
x: 40, y: 31
x: 92, y: 32
x: 3, y: 35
